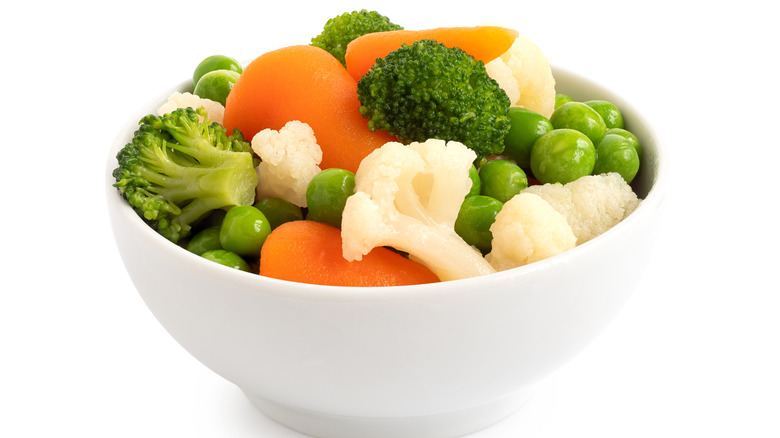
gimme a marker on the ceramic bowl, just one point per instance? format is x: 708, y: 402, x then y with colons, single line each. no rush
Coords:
x: 435, y: 360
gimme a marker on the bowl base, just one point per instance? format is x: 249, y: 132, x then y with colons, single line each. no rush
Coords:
x: 443, y: 425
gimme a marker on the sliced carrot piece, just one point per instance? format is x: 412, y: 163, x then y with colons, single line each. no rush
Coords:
x: 308, y: 84
x: 310, y: 252
x: 485, y: 43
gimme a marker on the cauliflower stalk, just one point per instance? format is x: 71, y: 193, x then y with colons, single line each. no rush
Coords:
x: 290, y: 158
x: 408, y: 197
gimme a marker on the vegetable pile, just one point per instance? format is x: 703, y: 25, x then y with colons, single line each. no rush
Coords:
x: 380, y: 156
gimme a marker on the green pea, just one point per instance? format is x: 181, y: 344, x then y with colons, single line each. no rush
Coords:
x: 205, y: 240
x: 630, y: 137
x: 476, y: 215
x: 525, y: 127
x: 244, y: 231
x: 611, y: 115
x: 279, y: 211
x: 216, y: 85
x: 562, y: 156
x: 212, y: 63
x: 560, y: 99
x: 616, y: 154
x: 502, y: 179
x: 327, y: 194
x: 226, y: 258
x: 580, y: 117
x: 476, y: 184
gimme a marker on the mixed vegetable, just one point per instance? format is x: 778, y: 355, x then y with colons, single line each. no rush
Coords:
x: 381, y: 156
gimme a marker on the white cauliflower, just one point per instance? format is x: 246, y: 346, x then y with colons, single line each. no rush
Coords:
x: 290, y: 158
x: 525, y: 74
x: 591, y: 204
x: 526, y: 230
x: 501, y: 73
x: 215, y: 110
x: 408, y: 197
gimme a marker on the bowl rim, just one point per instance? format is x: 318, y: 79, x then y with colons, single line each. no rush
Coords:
x: 304, y: 291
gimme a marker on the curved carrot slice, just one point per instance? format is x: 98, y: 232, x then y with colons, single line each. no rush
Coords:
x: 310, y: 252
x: 308, y: 84
x: 485, y: 43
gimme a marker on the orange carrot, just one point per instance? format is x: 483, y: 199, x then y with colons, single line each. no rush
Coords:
x: 485, y: 43
x: 310, y: 252
x: 308, y: 84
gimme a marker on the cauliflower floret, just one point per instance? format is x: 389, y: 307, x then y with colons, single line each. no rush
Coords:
x: 526, y: 230
x: 591, y: 204
x: 525, y: 74
x: 215, y: 110
x: 290, y: 158
x: 408, y: 197
x: 501, y: 73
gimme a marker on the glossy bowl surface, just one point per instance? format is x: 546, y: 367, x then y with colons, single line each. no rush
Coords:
x: 435, y: 360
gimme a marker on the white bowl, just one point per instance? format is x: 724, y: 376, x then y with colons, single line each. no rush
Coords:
x: 435, y: 360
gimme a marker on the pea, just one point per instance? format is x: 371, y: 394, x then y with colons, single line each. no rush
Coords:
x: 611, y: 115
x: 476, y: 184
x: 244, y: 230
x: 476, y: 215
x: 327, y: 194
x: 562, y: 156
x: 630, y: 137
x: 502, y: 179
x: 205, y: 240
x: 580, y: 117
x: 525, y: 127
x: 227, y: 258
x: 279, y: 211
x: 216, y: 85
x: 560, y: 99
x: 212, y: 63
x: 616, y: 154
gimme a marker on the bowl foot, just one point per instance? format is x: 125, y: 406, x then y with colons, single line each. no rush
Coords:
x: 443, y: 425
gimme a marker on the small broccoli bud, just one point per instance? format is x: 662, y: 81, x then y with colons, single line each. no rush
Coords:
x: 340, y: 30
x: 428, y: 90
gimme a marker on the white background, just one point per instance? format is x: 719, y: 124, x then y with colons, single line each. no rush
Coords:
x: 696, y: 352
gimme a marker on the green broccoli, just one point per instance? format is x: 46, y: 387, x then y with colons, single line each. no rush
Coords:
x: 340, y: 30
x: 428, y: 90
x: 179, y: 167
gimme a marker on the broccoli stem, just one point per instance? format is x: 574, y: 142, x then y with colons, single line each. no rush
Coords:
x: 207, y: 188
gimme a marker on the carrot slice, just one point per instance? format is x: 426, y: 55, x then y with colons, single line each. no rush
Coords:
x: 308, y: 84
x: 485, y: 43
x: 310, y: 252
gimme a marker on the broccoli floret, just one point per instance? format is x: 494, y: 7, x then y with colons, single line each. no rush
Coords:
x: 428, y: 90
x: 180, y: 166
x: 340, y: 30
